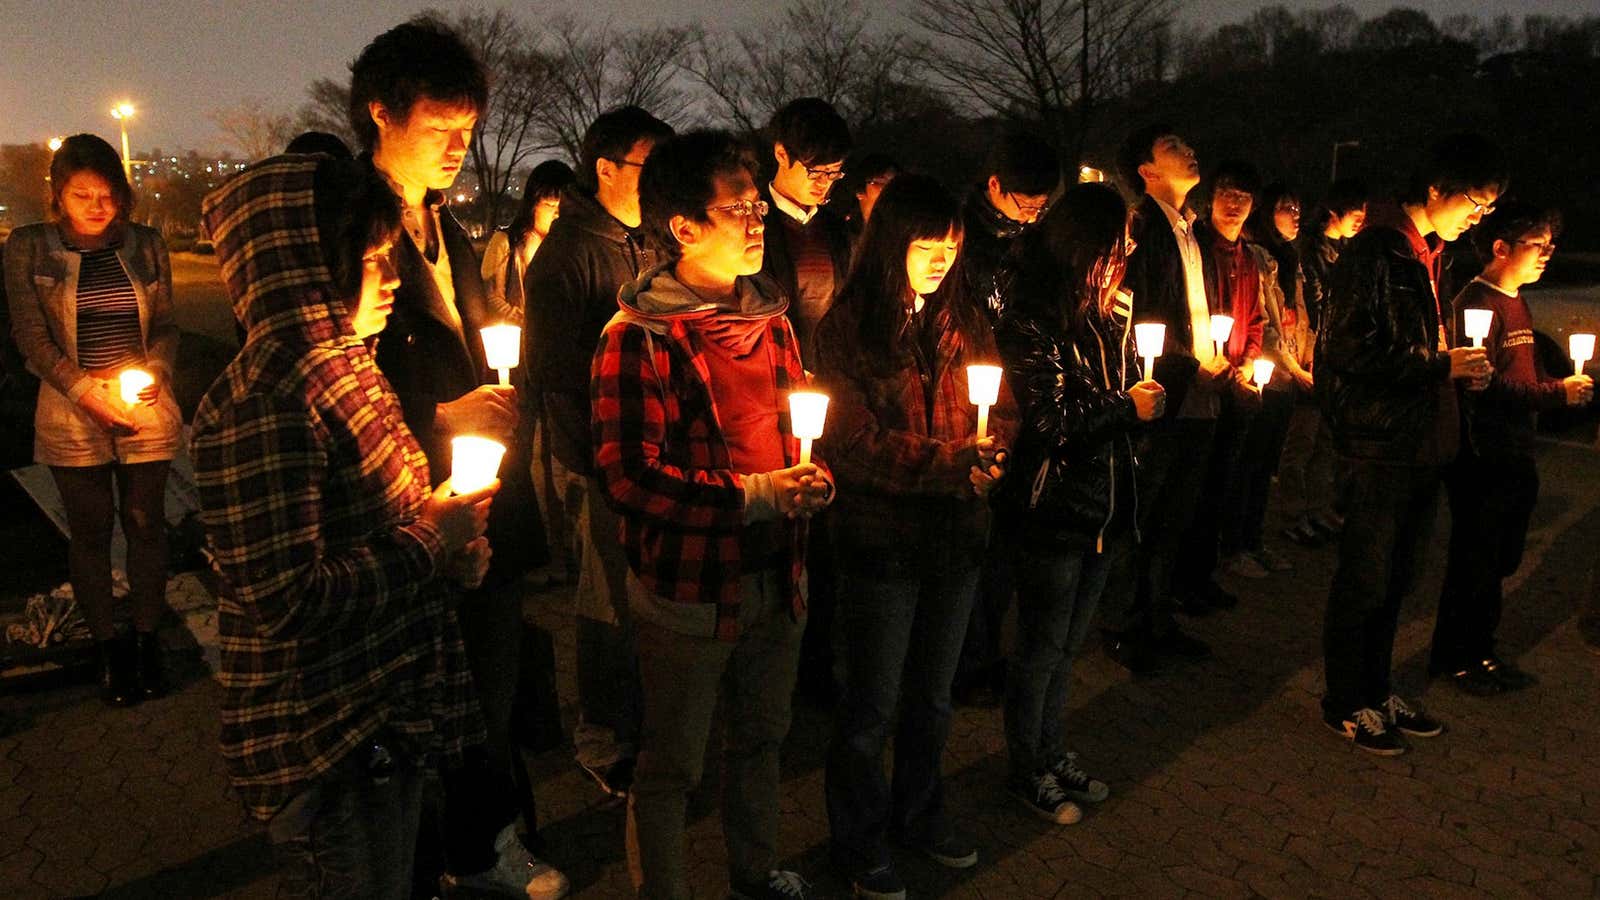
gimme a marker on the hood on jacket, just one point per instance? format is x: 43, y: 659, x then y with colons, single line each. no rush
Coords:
x: 264, y: 225
x: 582, y: 209
x: 658, y: 294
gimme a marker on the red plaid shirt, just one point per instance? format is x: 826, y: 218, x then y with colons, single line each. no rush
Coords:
x: 665, y: 466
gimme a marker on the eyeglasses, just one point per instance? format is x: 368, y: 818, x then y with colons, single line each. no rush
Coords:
x: 1479, y: 206
x: 1027, y: 207
x: 744, y: 209
x: 821, y: 174
x: 1546, y: 248
x: 625, y: 163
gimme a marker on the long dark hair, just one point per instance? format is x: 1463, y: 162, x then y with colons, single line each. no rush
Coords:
x: 90, y: 153
x: 1060, y: 262
x: 547, y: 180
x: 911, y: 208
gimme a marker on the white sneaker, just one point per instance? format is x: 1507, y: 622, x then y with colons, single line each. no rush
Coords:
x: 516, y: 873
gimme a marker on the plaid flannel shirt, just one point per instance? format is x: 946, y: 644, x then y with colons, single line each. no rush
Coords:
x: 333, y: 623
x: 665, y: 466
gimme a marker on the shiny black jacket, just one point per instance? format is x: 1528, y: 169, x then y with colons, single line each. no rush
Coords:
x: 1381, y: 378
x: 1072, y: 471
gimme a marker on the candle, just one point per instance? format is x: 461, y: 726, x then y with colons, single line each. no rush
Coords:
x: 807, y: 411
x: 502, y: 346
x: 1477, y: 324
x: 475, y: 461
x: 1221, y: 330
x: 1582, y: 347
x: 1149, y: 338
x: 983, y: 389
x: 133, y: 381
x: 1262, y: 373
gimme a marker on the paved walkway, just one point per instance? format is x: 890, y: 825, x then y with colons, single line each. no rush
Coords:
x: 1224, y: 783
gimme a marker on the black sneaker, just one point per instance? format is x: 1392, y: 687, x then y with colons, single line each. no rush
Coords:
x: 1183, y: 646
x: 779, y: 885
x: 948, y: 850
x: 1510, y: 676
x: 1076, y: 783
x: 1132, y: 652
x: 1044, y: 798
x: 1366, y: 727
x: 1475, y: 680
x: 878, y: 883
x: 1410, y: 720
x: 615, y: 779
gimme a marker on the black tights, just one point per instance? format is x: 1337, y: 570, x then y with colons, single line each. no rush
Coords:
x: 86, y: 492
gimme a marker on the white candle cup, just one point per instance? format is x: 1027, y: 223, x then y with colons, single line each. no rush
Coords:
x: 1262, y: 372
x: 1221, y: 330
x: 132, y: 382
x: 983, y: 389
x: 808, y: 410
x: 1149, y: 338
x: 502, y: 349
x: 1582, y: 350
x: 1476, y: 325
x: 475, y: 462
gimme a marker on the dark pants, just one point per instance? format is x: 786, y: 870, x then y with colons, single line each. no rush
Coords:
x: 1251, y: 482
x: 818, y: 674
x: 1216, y: 509
x: 905, y: 634
x: 1171, y: 474
x: 997, y: 584
x: 351, y: 835
x: 682, y: 675
x: 1388, y: 522
x: 1057, y: 592
x: 1491, y: 503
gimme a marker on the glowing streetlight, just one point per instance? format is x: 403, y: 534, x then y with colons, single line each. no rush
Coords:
x: 122, y: 112
x: 54, y: 144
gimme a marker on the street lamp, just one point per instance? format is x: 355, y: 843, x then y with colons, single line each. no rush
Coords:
x: 1337, y: 146
x: 54, y: 144
x: 122, y: 112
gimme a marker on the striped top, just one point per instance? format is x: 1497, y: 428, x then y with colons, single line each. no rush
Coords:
x: 108, y: 313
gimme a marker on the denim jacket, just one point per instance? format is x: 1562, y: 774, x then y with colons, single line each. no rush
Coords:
x: 42, y: 289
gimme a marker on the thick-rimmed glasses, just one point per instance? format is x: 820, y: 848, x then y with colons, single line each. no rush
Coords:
x: 743, y: 209
x: 1479, y: 206
x: 821, y: 174
x: 1026, y: 208
x: 1545, y: 248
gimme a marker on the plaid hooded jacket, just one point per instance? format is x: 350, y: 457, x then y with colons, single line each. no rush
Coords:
x: 333, y: 624
x: 664, y: 462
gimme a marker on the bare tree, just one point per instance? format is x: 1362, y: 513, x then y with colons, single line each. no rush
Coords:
x: 254, y: 130
x: 1047, y: 60
x: 327, y: 109
x: 596, y: 68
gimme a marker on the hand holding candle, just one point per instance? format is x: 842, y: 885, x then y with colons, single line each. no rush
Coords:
x: 133, y: 383
x: 807, y: 412
x: 1262, y: 372
x: 1150, y: 338
x: 1221, y: 330
x: 983, y: 389
x: 1476, y: 325
x: 502, y: 348
x: 475, y: 463
x: 1582, y: 350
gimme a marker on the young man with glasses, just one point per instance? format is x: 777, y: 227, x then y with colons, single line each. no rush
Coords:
x: 1386, y: 382
x: 1493, y: 485
x: 593, y: 249
x: 697, y: 453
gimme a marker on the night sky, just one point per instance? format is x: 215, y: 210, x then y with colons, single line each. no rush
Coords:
x: 63, y: 65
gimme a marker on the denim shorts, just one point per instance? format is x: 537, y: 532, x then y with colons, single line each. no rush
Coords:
x: 66, y: 435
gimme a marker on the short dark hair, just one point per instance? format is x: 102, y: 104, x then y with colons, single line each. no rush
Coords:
x: 1024, y: 163
x: 680, y: 178
x: 612, y: 134
x: 547, y: 180
x: 1138, y: 148
x: 319, y: 142
x: 1456, y: 164
x: 1345, y: 196
x: 811, y: 131
x: 870, y: 166
x: 90, y: 153
x: 422, y: 58
x: 1512, y: 222
x: 1236, y: 174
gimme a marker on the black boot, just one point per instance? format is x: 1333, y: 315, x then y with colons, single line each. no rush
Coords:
x: 152, y: 681
x: 119, y: 684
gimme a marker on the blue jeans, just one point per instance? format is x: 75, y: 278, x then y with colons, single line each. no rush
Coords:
x: 1057, y: 593
x: 904, y: 634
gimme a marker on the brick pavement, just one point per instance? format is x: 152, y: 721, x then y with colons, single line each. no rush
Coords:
x: 1223, y: 781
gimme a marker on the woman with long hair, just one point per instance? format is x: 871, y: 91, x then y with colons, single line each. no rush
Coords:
x: 910, y: 524
x: 1070, y: 511
x: 91, y: 297
x: 506, y: 258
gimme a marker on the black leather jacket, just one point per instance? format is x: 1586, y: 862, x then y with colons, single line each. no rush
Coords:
x: 1071, y: 482
x: 1381, y: 379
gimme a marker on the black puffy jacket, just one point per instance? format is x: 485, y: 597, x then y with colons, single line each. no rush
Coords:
x: 1382, y: 382
x: 1072, y: 472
